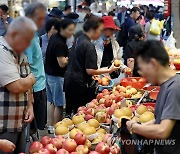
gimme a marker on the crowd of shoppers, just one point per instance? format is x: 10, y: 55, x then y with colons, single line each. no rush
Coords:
x: 44, y: 60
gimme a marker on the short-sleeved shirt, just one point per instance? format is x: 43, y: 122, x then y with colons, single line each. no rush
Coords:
x: 12, y: 106
x: 56, y: 48
x: 2, y: 26
x: 150, y: 36
x: 34, y: 55
x: 82, y: 57
x: 168, y: 107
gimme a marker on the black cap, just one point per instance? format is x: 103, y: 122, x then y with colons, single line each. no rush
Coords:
x: 73, y: 16
x: 136, y: 31
x: 57, y: 13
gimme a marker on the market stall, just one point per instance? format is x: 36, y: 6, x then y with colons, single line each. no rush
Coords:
x: 97, y: 127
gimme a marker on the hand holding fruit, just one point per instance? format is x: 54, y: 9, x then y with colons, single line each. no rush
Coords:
x: 113, y: 68
x: 128, y: 71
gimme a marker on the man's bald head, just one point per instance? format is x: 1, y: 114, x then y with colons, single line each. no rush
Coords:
x: 20, y: 33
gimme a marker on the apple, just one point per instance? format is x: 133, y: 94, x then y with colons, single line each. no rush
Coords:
x: 82, y: 149
x: 91, y: 105
x: 100, y: 108
x: 117, y: 63
x: 82, y: 126
x: 80, y: 138
x: 73, y: 132
x: 105, y: 83
x: 67, y: 121
x: 110, y: 111
x: 101, y: 130
x: 89, y: 116
x: 69, y: 145
x: 60, y: 123
x: 101, y: 117
x: 118, y: 98
x: 105, y: 92
x: 102, y: 148
x: 88, y: 144
x: 35, y: 147
x: 104, y: 79
x: 108, y: 102
x: 77, y: 119
x: 99, y: 96
x: 62, y: 151
x: 112, y: 96
x: 128, y: 95
x: 81, y: 113
x: 60, y: 137
x: 122, y: 89
x: 75, y: 153
x: 124, y: 80
x: 116, y: 93
x: 45, y: 140
x: 94, y: 152
x: 101, y: 101
x: 51, y: 148
x: 90, y: 111
x: 82, y: 108
x: 133, y: 80
x: 44, y: 151
x: 57, y: 143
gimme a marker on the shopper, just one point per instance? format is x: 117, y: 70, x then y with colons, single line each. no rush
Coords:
x: 51, y: 28
x: 150, y: 36
x: 129, y: 22
x: 37, y: 12
x: 56, y: 14
x: 5, y: 20
x: 80, y: 13
x: 153, y: 62
x: 55, y: 67
x: 136, y: 35
x: 83, y: 65
x: 67, y: 10
x: 122, y: 15
x: 15, y: 84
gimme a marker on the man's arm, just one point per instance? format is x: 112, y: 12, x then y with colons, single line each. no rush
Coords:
x: 62, y: 61
x: 153, y: 131
x: 21, y: 85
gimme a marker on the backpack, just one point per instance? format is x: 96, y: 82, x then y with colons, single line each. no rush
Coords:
x: 155, y: 27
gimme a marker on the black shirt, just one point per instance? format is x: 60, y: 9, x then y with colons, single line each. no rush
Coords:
x: 56, y: 48
x: 107, y: 55
x: 167, y: 107
x: 82, y: 57
x: 130, y: 52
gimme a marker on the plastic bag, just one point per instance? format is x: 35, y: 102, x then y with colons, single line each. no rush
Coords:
x: 170, y: 42
x: 155, y: 27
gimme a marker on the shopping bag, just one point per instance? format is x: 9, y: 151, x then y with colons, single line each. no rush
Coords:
x: 155, y: 27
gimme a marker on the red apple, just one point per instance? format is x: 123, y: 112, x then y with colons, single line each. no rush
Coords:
x: 108, y: 102
x: 60, y: 137
x: 82, y: 149
x: 100, y: 108
x: 90, y: 111
x: 110, y: 111
x: 44, y: 151
x: 75, y: 153
x: 118, y: 98
x: 82, y: 108
x: 51, y: 148
x: 91, y: 105
x: 69, y: 145
x: 45, y: 140
x: 105, y: 92
x: 102, y: 148
x: 35, y: 147
x: 89, y: 116
x: 62, y: 151
x: 94, y: 152
x: 99, y: 96
x: 80, y: 138
x: 81, y: 113
x: 128, y: 95
x: 112, y: 96
x: 56, y: 142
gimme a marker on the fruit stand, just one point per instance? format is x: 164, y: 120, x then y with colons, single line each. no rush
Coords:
x: 94, y: 128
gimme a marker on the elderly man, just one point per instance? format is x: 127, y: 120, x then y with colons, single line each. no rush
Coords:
x: 16, y: 82
x: 37, y: 12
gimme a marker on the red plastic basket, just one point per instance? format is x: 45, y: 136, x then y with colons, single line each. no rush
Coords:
x: 128, y: 82
x: 154, y: 93
x: 177, y: 66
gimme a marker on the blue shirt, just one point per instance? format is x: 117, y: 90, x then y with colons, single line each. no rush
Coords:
x: 2, y: 26
x: 35, y: 59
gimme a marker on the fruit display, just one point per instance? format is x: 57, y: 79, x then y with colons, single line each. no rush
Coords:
x: 85, y: 133
x: 135, y: 82
x: 104, y: 81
